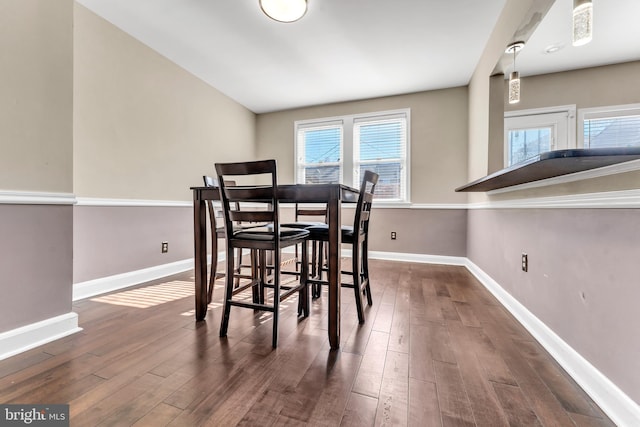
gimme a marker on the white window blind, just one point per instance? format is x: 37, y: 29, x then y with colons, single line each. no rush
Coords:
x: 612, y: 132
x: 614, y: 126
x: 319, y: 154
x: 380, y: 146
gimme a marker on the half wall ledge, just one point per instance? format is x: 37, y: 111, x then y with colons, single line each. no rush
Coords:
x: 552, y: 164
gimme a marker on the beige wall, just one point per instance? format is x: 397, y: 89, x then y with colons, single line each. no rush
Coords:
x: 36, y: 80
x: 438, y: 139
x: 144, y: 128
x: 590, y: 87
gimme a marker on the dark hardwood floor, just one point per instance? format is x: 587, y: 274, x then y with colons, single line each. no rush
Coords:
x: 436, y: 349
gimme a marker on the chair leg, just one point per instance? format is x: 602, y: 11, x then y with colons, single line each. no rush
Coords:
x: 262, y: 264
x: 303, y: 295
x: 365, y: 270
x: 238, y: 268
x: 276, y: 297
x: 355, y: 259
x: 214, y: 265
x: 317, y: 288
x: 224, y: 323
x: 212, y: 276
x: 314, y: 257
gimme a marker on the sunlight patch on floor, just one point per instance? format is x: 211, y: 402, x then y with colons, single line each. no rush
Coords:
x: 149, y: 296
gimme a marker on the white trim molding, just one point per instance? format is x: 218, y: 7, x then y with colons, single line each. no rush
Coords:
x: 605, y: 200
x: 622, y: 410
x: 92, y: 201
x: 35, y: 198
x: 36, y: 334
x: 436, y: 206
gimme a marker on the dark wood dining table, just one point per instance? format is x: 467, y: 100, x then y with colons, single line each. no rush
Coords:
x: 331, y: 194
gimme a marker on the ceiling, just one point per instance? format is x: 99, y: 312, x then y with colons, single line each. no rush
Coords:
x: 616, y: 38
x: 344, y: 50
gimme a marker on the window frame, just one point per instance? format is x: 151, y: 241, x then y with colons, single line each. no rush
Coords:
x: 544, y: 117
x: 349, y: 159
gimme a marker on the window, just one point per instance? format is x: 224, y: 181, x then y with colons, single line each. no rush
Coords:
x: 339, y: 150
x: 319, y: 153
x: 616, y: 126
x: 532, y: 132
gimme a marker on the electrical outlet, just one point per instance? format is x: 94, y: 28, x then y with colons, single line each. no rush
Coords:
x: 525, y: 262
x: 165, y: 247
x: 393, y: 235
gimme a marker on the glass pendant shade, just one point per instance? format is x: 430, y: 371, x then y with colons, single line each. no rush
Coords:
x: 582, y: 22
x: 514, y: 88
x: 284, y: 10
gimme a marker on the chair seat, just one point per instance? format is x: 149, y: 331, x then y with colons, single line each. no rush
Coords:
x: 302, y: 224
x: 321, y: 232
x: 266, y: 233
x: 221, y: 232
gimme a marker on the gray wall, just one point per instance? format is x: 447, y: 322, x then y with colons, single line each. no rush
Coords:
x: 582, y: 280
x: 110, y: 240
x: 36, y: 155
x: 419, y: 231
x: 35, y: 263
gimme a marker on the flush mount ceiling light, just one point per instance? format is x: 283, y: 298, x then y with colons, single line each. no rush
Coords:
x: 284, y: 10
x: 553, y: 48
x: 514, y: 77
x: 582, y: 22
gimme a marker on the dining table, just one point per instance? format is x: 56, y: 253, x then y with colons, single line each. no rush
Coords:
x: 333, y: 195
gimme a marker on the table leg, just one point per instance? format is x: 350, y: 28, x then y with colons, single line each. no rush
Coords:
x: 200, y: 257
x: 335, y: 237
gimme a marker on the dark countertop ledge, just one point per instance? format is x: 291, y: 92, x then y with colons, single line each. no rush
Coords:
x: 551, y: 164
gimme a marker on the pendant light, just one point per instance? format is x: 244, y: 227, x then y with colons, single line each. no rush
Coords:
x: 284, y: 10
x: 582, y: 22
x: 514, y: 77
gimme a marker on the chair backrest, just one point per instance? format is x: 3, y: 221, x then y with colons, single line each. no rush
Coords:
x: 302, y: 210
x: 365, y: 200
x: 263, y: 199
x: 210, y: 181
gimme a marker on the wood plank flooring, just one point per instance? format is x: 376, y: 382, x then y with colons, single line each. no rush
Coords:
x: 436, y: 350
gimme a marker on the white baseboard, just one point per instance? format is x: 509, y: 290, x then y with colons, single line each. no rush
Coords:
x: 27, y: 337
x: 421, y: 258
x: 103, y: 285
x: 622, y: 410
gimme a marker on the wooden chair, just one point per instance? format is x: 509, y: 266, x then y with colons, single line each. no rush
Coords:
x: 218, y: 232
x: 263, y: 208
x: 302, y: 215
x: 357, y: 236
